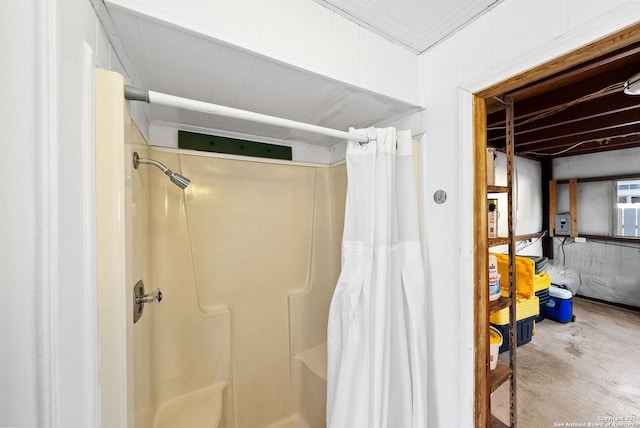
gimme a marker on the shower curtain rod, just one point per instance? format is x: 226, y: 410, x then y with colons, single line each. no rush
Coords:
x: 152, y: 97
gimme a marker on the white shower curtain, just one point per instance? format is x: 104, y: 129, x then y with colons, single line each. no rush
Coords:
x: 376, y: 335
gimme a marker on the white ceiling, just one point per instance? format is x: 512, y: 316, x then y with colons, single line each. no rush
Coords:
x: 415, y: 24
x: 181, y: 62
x: 178, y: 62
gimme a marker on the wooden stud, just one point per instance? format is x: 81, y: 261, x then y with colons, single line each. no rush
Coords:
x: 573, y: 206
x: 588, y: 52
x: 547, y: 175
x: 552, y: 207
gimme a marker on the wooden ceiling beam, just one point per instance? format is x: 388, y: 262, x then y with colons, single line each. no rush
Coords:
x: 591, y: 134
x: 599, y: 102
x: 548, y: 118
x: 582, y: 125
x: 600, y: 149
x: 625, y: 57
x: 596, y: 149
x: 588, y: 119
x: 591, y: 142
x: 596, y: 49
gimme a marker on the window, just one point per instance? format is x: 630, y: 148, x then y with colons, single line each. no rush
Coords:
x: 628, y: 208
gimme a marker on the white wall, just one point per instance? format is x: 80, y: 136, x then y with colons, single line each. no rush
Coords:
x: 48, y: 366
x: 505, y: 42
x: 49, y: 363
x: 597, y: 164
x: 527, y: 203
x: 608, y: 270
x: 527, y: 197
x: 595, y: 199
x: 301, y: 33
x: 19, y: 218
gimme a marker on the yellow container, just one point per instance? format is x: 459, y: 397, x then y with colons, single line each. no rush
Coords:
x: 525, y: 273
x: 526, y: 307
x: 541, y: 282
x: 495, y: 342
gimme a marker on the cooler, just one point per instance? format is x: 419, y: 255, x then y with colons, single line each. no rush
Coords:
x: 560, y: 305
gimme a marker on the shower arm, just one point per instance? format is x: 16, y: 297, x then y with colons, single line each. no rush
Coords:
x: 137, y: 160
x: 179, y: 180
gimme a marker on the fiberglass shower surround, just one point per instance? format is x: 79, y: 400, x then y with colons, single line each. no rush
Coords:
x: 377, y: 321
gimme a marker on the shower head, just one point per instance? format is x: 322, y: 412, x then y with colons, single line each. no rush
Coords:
x: 177, y: 179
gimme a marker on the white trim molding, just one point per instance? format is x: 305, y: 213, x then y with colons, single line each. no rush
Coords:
x: 89, y: 245
x: 47, y: 203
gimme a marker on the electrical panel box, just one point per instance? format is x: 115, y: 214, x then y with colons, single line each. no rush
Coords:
x: 563, y: 224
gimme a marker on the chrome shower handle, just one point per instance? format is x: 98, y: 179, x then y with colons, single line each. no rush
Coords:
x: 155, y: 296
x: 140, y: 298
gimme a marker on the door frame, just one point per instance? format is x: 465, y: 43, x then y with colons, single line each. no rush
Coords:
x: 480, y: 92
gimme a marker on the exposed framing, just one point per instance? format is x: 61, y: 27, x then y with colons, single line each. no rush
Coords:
x: 553, y: 184
x: 617, y: 40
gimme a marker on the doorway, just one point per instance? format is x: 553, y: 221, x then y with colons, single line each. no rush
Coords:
x: 484, y: 101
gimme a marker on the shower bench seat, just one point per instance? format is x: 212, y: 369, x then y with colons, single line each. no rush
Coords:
x: 202, y: 408
x: 315, y: 359
x: 310, y: 385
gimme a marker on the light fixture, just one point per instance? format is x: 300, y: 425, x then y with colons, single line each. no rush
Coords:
x: 632, y: 86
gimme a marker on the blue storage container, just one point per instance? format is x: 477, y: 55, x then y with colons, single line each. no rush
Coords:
x: 543, y: 298
x: 524, y: 332
x: 560, y: 305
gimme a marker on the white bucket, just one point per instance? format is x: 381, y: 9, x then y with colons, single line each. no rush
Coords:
x: 495, y: 341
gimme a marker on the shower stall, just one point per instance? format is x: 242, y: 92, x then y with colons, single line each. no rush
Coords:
x: 246, y: 257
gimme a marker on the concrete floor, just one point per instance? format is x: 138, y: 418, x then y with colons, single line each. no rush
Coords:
x: 583, y: 372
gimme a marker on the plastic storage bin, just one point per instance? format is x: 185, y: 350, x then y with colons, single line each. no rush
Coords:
x: 560, y: 305
x: 525, y: 275
x: 543, y: 297
x: 541, y: 284
x: 525, y: 329
x: 541, y: 281
x: 526, y: 307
